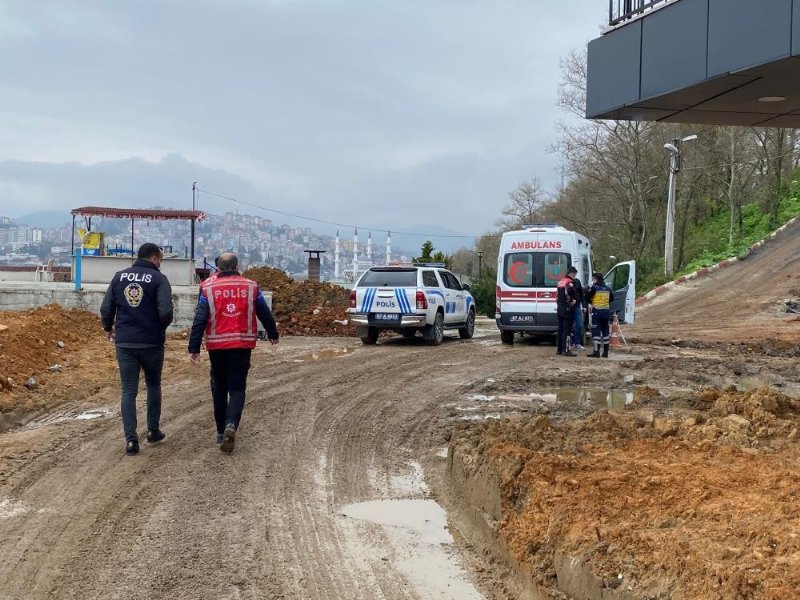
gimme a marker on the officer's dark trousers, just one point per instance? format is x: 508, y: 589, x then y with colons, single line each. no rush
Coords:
x: 228, y: 385
x: 564, y: 333
x: 131, y: 362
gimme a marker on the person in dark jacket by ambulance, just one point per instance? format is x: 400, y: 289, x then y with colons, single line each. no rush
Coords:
x: 226, y: 313
x: 136, y: 311
x: 566, y: 299
x: 599, y: 298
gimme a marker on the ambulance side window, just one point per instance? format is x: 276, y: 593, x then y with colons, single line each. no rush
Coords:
x: 429, y: 279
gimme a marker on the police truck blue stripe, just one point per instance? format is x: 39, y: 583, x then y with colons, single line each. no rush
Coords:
x: 400, y: 294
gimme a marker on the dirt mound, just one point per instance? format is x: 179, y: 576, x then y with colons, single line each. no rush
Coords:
x: 697, y: 504
x: 305, y: 307
x: 41, y: 343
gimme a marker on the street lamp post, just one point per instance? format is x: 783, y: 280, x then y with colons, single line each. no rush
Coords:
x: 674, y: 150
x: 480, y: 263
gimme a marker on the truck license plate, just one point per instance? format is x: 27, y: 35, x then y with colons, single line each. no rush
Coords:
x: 387, y: 317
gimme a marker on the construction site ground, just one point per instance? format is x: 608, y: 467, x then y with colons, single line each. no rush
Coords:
x: 669, y: 470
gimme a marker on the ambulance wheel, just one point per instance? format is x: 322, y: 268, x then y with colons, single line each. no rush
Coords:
x: 506, y: 336
x: 468, y: 331
x: 371, y: 338
x: 434, y: 334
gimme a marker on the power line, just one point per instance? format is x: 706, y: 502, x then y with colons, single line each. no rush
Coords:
x: 323, y: 221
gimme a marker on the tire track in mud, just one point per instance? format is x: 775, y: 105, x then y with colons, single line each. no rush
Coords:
x: 183, y: 520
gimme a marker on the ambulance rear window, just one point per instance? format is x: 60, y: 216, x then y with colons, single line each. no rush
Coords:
x: 389, y: 278
x: 535, y: 269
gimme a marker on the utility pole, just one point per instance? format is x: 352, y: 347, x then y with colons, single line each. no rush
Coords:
x: 194, y: 194
x: 674, y: 150
x: 480, y: 263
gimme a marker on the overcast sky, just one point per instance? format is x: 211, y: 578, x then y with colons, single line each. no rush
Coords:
x: 415, y: 115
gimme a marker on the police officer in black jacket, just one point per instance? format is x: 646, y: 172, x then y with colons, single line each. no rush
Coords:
x: 139, y: 299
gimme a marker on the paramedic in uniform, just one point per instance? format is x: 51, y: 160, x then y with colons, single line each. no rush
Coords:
x: 599, y: 298
x: 226, y: 313
x: 566, y: 299
x: 136, y: 311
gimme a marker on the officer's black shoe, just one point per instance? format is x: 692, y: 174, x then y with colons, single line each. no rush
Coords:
x: 569, y: 354
x: 132, y: 448
x: 219, y: 438
x: 155, y: 435
x: 228, y: 439
x: 594, y: 354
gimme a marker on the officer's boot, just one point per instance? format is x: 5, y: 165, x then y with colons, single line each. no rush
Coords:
x: 605, y: 350
x: 596, y: 350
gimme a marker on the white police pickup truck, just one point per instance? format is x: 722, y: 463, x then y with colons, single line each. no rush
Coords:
x: 422, y: 297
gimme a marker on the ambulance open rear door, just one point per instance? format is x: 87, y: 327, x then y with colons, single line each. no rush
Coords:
x: 622, y: 281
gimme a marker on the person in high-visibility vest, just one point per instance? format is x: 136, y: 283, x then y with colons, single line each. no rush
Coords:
x: 226, y: 313
x: 599, y: 298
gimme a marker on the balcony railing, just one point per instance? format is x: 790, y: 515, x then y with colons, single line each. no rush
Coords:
x: 622, y: 10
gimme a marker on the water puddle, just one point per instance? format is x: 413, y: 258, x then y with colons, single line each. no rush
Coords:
x: 496, y: 417
x: 748, y: 384
x: 605, y: 398
x: 423, y: 549
x: 480, y: 397
x: 67, y: 416
x: 9, y: 508
x: 598, y: 397
x: 327, y: 354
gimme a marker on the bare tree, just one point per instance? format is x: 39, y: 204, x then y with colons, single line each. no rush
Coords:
x: 527, y: 203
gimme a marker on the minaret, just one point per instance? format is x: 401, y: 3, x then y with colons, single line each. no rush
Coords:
x: 355, y: 254
x: 336, y: 257
x: 369, y: 248
x: 389, y: 247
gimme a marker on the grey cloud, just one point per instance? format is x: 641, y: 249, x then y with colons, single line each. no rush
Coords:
x: 320, y: 107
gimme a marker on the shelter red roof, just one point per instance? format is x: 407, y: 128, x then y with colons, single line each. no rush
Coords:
x: 152, y: 214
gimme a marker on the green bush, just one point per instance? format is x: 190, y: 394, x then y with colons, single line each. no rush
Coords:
x: 708, y: 243
x: 483, y: 290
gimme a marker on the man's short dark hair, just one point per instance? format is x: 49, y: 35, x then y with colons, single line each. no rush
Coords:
x: 572, y: 270
x: 148, y: 250
x: 227, y: 262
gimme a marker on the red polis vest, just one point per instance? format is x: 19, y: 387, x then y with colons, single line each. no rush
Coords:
x: 232, y: 307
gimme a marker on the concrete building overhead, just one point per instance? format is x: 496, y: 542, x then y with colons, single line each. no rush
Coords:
x: 720, y: 62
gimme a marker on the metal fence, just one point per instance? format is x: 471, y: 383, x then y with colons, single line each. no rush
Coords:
x: 622, y: 10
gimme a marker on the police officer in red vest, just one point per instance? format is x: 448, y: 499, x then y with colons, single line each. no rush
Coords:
x: 566, y: 299
x: 226, y: 313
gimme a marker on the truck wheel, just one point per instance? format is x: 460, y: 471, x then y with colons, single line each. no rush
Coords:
x: 468, y: 331
x: 372, y: 337
x: 506, y: 336
x: 434, y: 334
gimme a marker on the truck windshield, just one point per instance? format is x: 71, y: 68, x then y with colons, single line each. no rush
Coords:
x: 389, y: 278
x: 535, y: 269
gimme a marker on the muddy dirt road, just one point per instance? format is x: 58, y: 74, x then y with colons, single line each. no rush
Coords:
x: 327, y: 424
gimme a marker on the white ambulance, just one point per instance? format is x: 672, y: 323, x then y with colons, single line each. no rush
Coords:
x: 530, y: 264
